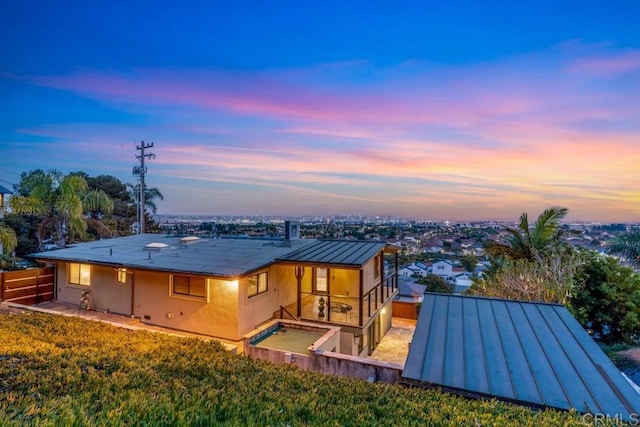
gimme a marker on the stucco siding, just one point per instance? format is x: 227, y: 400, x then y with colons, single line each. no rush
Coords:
x: 218, y: 317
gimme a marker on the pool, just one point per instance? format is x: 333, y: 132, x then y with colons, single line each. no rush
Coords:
x: 288, y: 339
x: 294, y: 342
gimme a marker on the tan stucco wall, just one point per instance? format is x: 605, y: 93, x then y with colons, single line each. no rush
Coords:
x: 345, y: 282
x: 217, y: 318
x: 370, y: 281
x: 106, y: 293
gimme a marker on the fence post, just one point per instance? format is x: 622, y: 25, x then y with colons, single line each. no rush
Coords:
x: 1, y: 286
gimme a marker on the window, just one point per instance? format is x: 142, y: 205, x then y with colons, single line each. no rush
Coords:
x: 190, y: 286
x: 257, y: 284
x: 79, y: 274
x: 122, y: 275
x: 321, y: 280
x: 377, y: 266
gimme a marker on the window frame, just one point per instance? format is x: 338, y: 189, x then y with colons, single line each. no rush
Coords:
x: 121, y: 275
x: 190, y: 295
x: 80, y: 279
x: 326, y: 278
x: 258, y: 284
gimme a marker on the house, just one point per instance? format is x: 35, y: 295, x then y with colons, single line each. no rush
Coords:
x: 225, y: 288
x: 415, y: 269
x: 462, y: 282
x: 535, y: 354
x: 4, y: 199
x: 443, y: 268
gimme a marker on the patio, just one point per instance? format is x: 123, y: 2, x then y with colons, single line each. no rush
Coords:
x: 394, y: 346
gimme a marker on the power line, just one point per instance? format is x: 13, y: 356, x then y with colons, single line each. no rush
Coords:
x: 141, y: 171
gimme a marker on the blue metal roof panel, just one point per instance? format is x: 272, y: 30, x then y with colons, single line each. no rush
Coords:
x: 533, y: 353
x: 417, y: 349
x: 455, y: 346
x: 499, y: 377
x: 476, y: 374
x: 433, y: 371
x: 340, y: 252
x: 546, y: 381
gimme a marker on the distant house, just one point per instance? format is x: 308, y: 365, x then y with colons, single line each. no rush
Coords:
x: 535, y: 354
x: 443, y: 268
x: 462, y: 282
x: 4, y: 199
x: 415, y: 269
x: 225, y: 288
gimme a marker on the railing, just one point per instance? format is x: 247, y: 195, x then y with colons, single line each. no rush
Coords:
x: 379, y: 295
x: 284, y: 310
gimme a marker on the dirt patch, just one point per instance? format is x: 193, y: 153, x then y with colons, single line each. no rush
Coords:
x: 628, y: 361
x: 5, y: 309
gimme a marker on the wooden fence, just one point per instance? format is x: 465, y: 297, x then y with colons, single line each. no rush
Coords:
x: 404, y: 310
x: 27, y: 287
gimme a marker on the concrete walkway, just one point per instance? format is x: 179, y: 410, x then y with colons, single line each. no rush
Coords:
x: 394, y: 346
x: 131, y: 323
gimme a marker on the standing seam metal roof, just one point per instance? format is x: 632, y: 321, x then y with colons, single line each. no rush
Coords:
x: 533, y: 353
x: 341, y: 252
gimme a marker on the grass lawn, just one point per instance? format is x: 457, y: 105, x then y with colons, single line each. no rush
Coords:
x: 65, y: 371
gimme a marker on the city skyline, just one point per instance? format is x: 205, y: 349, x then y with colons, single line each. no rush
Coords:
x: 439, y: 111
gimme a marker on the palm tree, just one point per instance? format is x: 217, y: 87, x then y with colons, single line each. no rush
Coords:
x: 530, y: 243
x: 627, y: 245
x: 58, y: 199
x: 150, y: 196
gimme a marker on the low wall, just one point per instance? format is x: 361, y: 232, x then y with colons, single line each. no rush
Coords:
x: 329, y: 341
x: 355, y: 367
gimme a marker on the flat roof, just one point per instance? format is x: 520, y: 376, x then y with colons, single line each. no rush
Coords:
x: 213, y: 257
x: 531, y: 353
x: 353, y: 253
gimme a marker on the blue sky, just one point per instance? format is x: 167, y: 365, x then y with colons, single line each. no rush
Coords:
x: 434, y: 110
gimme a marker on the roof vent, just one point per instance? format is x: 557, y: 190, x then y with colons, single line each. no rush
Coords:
x: 188, y: 239
x: 155, y: 246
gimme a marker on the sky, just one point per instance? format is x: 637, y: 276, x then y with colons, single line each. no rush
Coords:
x: 456, y: 110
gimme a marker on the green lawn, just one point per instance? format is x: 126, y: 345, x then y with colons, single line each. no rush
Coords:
x: 63, y: 371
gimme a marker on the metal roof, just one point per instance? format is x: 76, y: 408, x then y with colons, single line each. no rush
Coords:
x: 4, y: 190
x: 341, y: 252
x: 215, y: 257
x: 531, y: 353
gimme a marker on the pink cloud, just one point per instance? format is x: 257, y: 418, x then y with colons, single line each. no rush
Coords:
x: 608, y: 65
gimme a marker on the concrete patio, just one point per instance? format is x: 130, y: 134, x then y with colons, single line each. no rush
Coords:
x: 394, y: 346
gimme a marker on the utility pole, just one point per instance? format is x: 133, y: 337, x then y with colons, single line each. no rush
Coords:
x: 141, y: 171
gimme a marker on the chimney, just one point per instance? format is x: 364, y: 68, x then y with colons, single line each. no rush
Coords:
x: 291, y: 230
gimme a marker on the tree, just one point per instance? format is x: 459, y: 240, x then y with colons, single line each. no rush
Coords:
x: 123, y: 215
x: 550, y: 279
x: 57, y: 198
x: 533, y: 264
x: 8, y: 239
x: 150, y: 197
x: 435, y: 283
x: 627, y: 245
x: 469, y: 262
x: 607, y: 298
x: 529, y: 243
x: 26, y: 230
